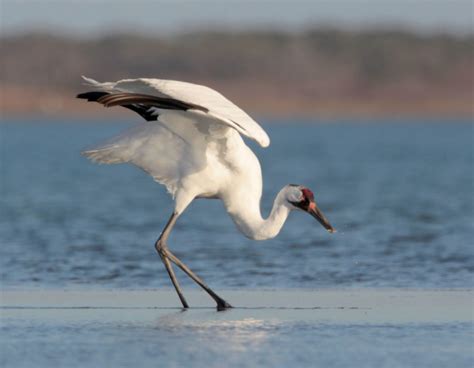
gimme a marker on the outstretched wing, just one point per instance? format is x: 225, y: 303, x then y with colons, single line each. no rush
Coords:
x: 178, y: 145
x: 149, y: 97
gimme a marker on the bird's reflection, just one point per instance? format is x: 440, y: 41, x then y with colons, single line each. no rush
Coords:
x: 237, y: 334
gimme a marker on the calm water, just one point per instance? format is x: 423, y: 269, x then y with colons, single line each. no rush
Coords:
x: 400, y: 195
x: 177, y: 340
x: 329, y: 328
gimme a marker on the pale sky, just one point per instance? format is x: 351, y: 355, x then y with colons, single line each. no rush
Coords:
x: 92, y: 17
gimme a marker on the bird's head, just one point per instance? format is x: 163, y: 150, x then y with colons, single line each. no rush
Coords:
x: 302, y: 198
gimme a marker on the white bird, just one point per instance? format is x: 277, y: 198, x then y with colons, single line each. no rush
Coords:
x: 191, y: 143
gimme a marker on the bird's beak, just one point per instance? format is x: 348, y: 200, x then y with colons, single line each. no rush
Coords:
x: 314, y: 211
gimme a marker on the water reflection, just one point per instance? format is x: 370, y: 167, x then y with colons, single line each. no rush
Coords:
x: 239, y: 334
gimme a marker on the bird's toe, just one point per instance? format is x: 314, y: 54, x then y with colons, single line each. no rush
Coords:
x: 223, y: 305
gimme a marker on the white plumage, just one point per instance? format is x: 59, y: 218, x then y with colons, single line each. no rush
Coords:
x: 191, y: 144
x: 219, y: 107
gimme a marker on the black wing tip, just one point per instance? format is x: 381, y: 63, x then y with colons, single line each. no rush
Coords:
x: 91, y: 96
x: 95, y: 96
x: 140, y: 103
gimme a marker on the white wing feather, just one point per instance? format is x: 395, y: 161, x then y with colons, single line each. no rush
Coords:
x: 174, y: 148
x: 220, y: 108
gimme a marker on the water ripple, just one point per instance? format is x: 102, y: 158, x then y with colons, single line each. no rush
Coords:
x: 403, y: 207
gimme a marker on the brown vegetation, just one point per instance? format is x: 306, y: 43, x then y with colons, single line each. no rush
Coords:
x: 318, y: 72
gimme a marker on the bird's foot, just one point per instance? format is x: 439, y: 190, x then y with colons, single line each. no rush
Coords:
x: 222, y: 305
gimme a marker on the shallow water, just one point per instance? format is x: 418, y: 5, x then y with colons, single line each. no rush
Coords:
x: 325, y: 328
x: 399, y: 193
x: 169, y: 340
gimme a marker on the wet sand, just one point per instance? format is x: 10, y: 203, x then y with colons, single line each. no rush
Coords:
x: 368, y: 327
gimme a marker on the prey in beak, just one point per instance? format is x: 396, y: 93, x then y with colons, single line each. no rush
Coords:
x: 308, y: 204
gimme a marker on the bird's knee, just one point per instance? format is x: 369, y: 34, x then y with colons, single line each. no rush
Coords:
x: 160, y: 247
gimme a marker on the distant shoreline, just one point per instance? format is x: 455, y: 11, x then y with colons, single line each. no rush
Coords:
x: 19, y: 102
x: 326, y: 73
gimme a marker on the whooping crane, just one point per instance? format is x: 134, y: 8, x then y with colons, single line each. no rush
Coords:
x: 191, y: 143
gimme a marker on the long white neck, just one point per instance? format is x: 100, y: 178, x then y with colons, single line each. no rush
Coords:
x: 247, y: 216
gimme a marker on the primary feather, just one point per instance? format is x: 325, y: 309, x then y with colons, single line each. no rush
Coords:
x: 211, y: 102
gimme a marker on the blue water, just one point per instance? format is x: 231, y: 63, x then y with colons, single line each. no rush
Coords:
x: 399, y: 193
x: 173, y: 341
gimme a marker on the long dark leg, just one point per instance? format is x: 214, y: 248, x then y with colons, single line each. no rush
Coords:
x: 160, y: 246
x: 221, y: 303
x: 174, y: 280
x: 165, y: 253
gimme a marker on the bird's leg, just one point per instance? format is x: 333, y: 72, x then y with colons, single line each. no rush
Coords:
x: 165, y: 254
x: 174, y: 280
x: 161, y: 248
x: 221, y: 303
